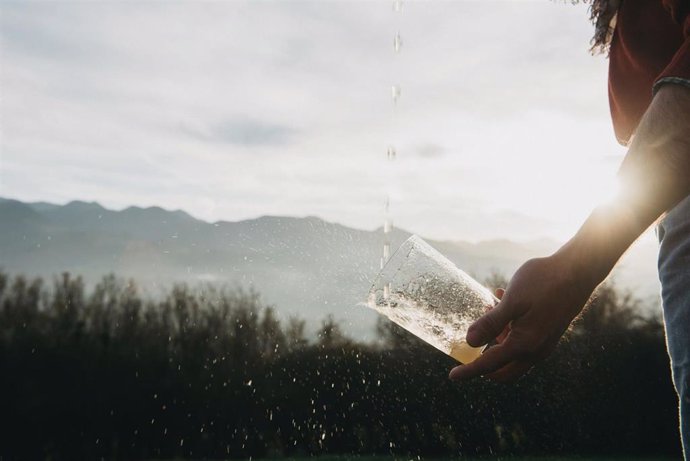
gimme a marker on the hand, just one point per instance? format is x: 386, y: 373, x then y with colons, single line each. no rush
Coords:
x: 541, y: 300
x: 504, y: 334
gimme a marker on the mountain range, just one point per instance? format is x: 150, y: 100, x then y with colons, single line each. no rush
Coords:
x: 304, y: 266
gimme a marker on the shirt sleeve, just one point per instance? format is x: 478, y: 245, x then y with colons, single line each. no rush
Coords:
x: 678, y: 70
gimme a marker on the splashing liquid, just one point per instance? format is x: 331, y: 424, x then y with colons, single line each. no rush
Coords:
x: 418, y: 288
x: 391, y: 152
x: 396, y: 92
x: 442, y: 332
x: 387, y: 229
x: 426, y: 294
x: 397, y: 43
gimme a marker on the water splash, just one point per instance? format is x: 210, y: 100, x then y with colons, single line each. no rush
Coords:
x: 397, y: 43
x: 387, y: 229
x: 426, y: 294
x: 391, y: 153
x: 396, y: 92
x: 445, y: 333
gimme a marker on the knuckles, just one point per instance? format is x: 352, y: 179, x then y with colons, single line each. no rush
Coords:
x: 489, y: 326
x: 483, y: 331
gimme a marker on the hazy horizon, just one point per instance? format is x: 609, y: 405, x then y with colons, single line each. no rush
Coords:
x: 305, y: 267
x: 259, y: 216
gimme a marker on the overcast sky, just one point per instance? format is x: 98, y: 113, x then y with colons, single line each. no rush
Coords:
x: 233, y: 110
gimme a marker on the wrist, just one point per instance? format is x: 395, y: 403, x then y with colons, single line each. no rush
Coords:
x: 581, y: 270
x: 596, y: 248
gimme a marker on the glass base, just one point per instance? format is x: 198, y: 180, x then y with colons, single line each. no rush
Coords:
x: 464, y: 353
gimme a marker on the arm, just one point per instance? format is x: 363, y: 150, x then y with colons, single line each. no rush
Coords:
x: 546, y: 294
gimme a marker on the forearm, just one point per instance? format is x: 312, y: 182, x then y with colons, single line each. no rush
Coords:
x: 654, y: 176
x: 545, y: 294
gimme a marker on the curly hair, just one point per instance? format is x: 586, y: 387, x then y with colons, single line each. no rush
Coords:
x: 602, y: 13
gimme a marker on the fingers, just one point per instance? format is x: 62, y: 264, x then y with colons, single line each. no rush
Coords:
x: 504, y: 334
x: 488, y: 327
x: 490, y: 361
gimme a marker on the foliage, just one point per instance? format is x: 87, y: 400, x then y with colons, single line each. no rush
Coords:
x: 211, y: 372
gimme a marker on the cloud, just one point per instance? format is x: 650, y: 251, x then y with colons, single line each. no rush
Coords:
x: 430, y: 150
x: 232, y: 110
x: 245, y: 132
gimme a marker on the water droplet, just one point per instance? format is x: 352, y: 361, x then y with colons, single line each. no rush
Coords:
x: 391, y: 153
x: 397, y: 6
x: 395, y: 93
x: 397, y: 43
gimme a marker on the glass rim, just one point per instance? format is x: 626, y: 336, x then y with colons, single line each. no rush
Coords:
x: 406, y: 247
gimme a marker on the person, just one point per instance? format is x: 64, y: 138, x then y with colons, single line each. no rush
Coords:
x: 649, y: 93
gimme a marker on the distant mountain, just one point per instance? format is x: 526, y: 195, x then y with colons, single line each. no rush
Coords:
x: 305, y: 266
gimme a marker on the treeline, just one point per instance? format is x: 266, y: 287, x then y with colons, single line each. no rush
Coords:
x: 210, y: 372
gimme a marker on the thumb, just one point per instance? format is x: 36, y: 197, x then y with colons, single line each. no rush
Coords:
x: 488, y: 326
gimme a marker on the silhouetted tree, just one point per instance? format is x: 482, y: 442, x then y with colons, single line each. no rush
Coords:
x: 330, y: 335
x: 210, y: 372
x: 295, y: 334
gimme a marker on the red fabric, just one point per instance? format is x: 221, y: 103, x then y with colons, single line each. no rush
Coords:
x: 651, y: 41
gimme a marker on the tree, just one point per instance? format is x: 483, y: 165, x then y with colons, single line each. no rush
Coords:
x: 330, y: 334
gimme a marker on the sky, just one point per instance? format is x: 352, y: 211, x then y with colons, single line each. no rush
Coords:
x: 232, y: 110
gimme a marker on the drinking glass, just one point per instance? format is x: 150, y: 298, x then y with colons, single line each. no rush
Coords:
x: 426, y: 294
